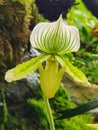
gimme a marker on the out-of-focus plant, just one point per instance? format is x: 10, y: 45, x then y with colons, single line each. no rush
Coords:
x: 55, y: 40
x: 3, y: 110
x: 88, y: 63
x: 82, y: 18
x: 86, y: 22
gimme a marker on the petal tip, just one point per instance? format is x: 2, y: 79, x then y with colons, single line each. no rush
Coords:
x: 8, y: 77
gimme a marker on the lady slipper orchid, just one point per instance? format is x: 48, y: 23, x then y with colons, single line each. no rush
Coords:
x: 55, y: 39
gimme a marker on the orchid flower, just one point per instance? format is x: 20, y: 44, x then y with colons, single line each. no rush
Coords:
x: 55, y: 40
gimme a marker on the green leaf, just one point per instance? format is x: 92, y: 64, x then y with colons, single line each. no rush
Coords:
x: 24, y: 69
x: 73, y: 71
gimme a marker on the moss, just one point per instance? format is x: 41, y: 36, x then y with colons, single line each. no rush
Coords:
x: 62, y: 102
x: 40, y: 120
x: 78, y: 123
x: 16, y: 19
x: 34, y: 116
x: 59, y: 103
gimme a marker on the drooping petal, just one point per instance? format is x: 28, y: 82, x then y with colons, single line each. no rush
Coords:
x: 55, y: 37
x: 73, y: 71
x: 24, y: 69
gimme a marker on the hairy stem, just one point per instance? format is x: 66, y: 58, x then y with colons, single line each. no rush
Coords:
x: 49, y: 113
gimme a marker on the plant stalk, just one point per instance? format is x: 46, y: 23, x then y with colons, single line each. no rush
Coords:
x: 49, y: 113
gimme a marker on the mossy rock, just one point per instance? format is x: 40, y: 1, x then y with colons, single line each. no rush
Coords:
x: 34, y: 117
x: 17, y: 19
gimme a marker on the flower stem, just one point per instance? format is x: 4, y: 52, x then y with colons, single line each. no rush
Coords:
x: 49, y: 113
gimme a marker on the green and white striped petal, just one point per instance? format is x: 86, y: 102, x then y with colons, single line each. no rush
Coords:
x: 24, y: 69
x: 55, y: 37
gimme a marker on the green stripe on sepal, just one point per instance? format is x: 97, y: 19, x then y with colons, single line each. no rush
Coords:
x: 24, y: 69
x: 73, y: 71
x: 55, y: 37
